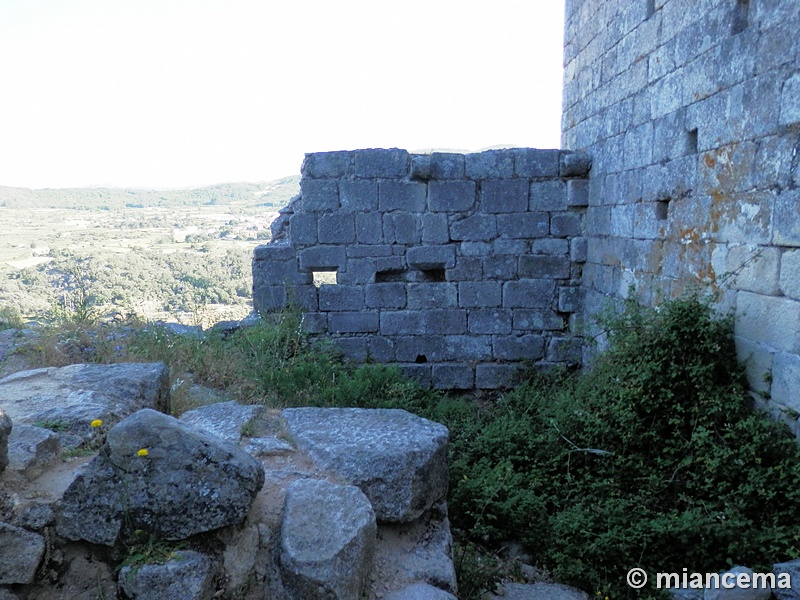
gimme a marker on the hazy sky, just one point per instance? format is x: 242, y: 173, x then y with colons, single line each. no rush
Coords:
x: 191, y: 92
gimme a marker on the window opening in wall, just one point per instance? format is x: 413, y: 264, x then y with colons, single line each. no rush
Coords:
x: 691, y: 141
x: 433, y: 275
x: 390, y: 275
x: 662, y: 209
x: 741, y: 16
x: 324, y: 277
x: 421, y: 359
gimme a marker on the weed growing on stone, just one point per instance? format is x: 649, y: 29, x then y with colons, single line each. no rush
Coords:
x: 147, y: 549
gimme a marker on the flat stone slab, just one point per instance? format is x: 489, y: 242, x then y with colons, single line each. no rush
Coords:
x: 21, y: 551
x: 68, y: 399
x: 226, y: 420
x: 399, y: 460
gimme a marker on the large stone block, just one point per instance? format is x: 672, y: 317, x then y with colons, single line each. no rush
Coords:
x: 341, y: 297
x: 479, y: 294
x: 523, y: 347
x: 188, y: 575
x: 323, y: 258
x: 431, y: 257
x: 532, y: 162
x: 459, y: 348
x: 420, y: 349
x: 157, y: 474
x: 492, y: 321
x: 548, y: 195
x: 401, y: 228
x: 542, y: 266
x: 755, y: 269
x: 537, y: 320
x: 787, y: 218
x: 327, y: 164
x: 494, y: 376
x: 397, y: 459
x: 408, y: 196
x: 577, y: 192
x: 319, y: 194
x: 490, y: 164
x: 770, y: 320
x: 434, y: 228
x: 786, y: 380
x: 378, y: 162
x: 385, y: 295
x: 369, y: 228
x: 32, y: 450
x: 303, y: 229
x: 21, y: 551
x: 358, y: 195
x: 432, y: 295
x: 401, y: 322
x: 447, y: 165
x: 353, y: 322
x: 790, y: 101
x: 790, y: 274
x: 477, y: 227
x: 531, y: 293
x: 337, y: 228
x: 504, y: 196
x: 451, y: 196
x: 468, y: 268
x: 327, y: 540
x: 445, y: 321
x: 452, y: 377
x: 523, y: 225
x: 500, y: 267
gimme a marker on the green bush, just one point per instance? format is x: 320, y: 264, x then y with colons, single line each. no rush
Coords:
x: 654, y: 459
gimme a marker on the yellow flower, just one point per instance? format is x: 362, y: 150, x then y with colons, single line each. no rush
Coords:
x: 97, y: 423
x: 142, y: 452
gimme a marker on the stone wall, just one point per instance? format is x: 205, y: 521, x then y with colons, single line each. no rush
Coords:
x: 457, y: 267
x: 690, y: 110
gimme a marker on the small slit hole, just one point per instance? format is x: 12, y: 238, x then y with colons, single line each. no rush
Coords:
x: 421, y: 359
x: 662, y: 210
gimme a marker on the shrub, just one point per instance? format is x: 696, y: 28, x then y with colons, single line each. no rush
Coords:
x: 654, y: 458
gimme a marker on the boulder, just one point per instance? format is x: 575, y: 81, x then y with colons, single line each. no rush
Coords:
x: 21, y: 551
x: 399, y: 460
x: 327, y: 541
x: 226, y: 420
x: 162, y: 476
x: 7, y: 595
x: 86, y: 578
x: 420, y: 591
x: 737, y: 593
x: 188, y: 576
x: 792, y: 568
x: 32, y: 450
x: 68, y: 399
x: 5, y: 431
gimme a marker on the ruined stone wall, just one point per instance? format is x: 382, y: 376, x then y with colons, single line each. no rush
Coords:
x: 457, y: 267
x: 690, y: 110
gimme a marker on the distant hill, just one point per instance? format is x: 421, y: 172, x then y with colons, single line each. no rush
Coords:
x: 275, y: 194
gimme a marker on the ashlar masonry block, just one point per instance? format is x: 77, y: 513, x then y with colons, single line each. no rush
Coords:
x: 450, y: 196
x: 504, y: 196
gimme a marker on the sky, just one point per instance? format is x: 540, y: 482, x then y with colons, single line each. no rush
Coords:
x: 180, y: 93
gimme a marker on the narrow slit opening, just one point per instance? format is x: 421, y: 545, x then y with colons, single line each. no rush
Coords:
x: 741, y: 16
x: 651, y: 8
x: 421, y: 359
x: 691, y: 141
x: 662, y: 210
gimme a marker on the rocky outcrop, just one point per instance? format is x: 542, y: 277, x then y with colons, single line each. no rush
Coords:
x: 540, y: 591
x: 398, y: 460
x: 236, y: 502
x: 68, y: 399
x: 327, y: 540
x: 792, y: 569
x: 159, y: 475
